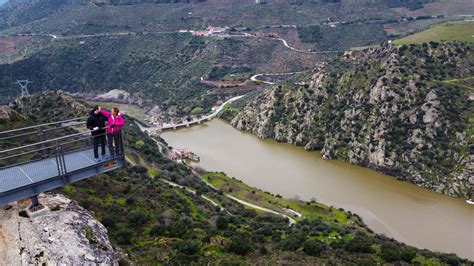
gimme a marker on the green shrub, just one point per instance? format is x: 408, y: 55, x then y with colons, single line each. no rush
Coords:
x: 391, y: 252
x: 222, y: 223
x: 360, y: 243
x: 138, y: 217
x: 190, y: 247
x: 408, y: 253
x: 157, y: 230
x: 313, y: 247
x: 109, y: 221
x: 241, y: 245
x: 124, y: 236
x: 293, y: 241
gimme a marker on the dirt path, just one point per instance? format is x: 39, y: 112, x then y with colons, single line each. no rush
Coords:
x: 248, y: 204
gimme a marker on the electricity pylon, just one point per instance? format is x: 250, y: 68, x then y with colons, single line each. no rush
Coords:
x: 24, y: 86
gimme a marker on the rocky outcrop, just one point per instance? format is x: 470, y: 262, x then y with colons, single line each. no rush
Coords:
x: 41, y: 107
x: 65, y: 235
x: 7, y: 114
x: 393, y: 109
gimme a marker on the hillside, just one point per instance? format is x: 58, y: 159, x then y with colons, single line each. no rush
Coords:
x: 457, y: 31
x: 153, y: 221
x: 399, y: 110
x: 95, y: 46
x: 68, y: 17
x: 162, y: 69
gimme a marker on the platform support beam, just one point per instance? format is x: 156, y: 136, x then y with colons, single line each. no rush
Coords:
x: 35, y: 204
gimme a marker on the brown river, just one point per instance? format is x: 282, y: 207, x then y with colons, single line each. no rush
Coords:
x: 408, y: 213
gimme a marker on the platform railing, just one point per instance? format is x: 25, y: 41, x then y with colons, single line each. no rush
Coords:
x: 55, y: 147
x: 41, y: 132
x: 56, y: 142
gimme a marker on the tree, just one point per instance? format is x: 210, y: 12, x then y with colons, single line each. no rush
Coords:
x: 391, y: 252
x: 178, y: 229
x: 360, y: 243
x: 190, y: 247
x: 138, y: 217
x: 222, y: 223
x: 124, y: 236
x: 313, y: 247
x: 241, y: 245
x: 109, y: 221
x: 157, y: 230
x: 293, y: 241
x: 408, y: 253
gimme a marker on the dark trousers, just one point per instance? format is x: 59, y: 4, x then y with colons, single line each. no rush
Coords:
x: 115, y: 144
x: 100, y: 139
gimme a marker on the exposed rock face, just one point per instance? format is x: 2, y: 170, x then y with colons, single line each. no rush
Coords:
x: 67, y: 235
x: 392, y: 109
x: 7, y: 114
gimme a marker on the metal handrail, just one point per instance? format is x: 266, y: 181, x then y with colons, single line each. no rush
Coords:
x: 62, y: 154
x: 42, y: 125
x: 58, y: 151
x: 48, y: 147
x: 44, y: 131
x: 26, y: 153
x: 50, y: 140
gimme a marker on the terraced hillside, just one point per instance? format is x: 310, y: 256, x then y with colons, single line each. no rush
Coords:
x: 84, y: 46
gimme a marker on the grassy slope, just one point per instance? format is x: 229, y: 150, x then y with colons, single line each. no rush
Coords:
x: 311, y: 210
x: 450, y: 31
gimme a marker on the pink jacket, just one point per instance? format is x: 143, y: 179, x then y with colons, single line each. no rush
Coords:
x: 114, y: 123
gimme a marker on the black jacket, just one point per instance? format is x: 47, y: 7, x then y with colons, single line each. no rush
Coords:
x: 96, y: 120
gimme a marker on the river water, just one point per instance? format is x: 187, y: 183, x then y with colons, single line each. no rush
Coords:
x: 408, y: 213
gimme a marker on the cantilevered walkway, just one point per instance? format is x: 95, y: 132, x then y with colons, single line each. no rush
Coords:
x: 39, y: 158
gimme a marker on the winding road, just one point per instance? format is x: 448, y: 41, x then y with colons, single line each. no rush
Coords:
x: 254, y: 77
x: 204, y: 118
x: 285, y: 43
x: 131, y: 33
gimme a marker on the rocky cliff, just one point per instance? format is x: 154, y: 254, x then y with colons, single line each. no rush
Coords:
x: 405, y: 111
x: 9, y: 115
x: 66, y: 235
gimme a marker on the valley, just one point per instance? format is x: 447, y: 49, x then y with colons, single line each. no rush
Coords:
x: 322, y: 132
x: 388, y: 206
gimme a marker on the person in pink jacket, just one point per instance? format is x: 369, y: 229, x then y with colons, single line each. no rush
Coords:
x: 114, y: 125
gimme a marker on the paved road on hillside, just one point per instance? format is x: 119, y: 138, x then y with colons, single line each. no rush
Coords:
x: 202, y: 119
x: 254, y: 77
x: 226, y: 35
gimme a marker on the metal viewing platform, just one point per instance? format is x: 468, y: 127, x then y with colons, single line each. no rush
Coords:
x: 48, y: 156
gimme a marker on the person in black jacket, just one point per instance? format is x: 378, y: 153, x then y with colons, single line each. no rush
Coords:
x: 96, y: 123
